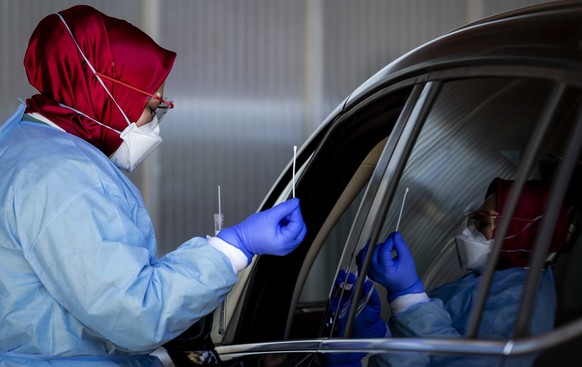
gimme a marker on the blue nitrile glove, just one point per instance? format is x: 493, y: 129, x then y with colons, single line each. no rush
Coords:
x: 275, y: 231
x: 397, y: 274
x: 341, y: 300
x: 339, y: 310
x: 368, y: 323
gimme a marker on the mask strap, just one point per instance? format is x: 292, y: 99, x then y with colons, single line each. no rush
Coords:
x: 90, y: 118
x: 94, y: 73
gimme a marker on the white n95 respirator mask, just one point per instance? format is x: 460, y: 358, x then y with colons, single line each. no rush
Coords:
x: 473, y: 249
x: 138, y: 143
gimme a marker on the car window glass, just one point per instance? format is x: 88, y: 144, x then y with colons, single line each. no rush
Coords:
x: 459, y: 151
x: 567, y: 267
x: 477, y: 130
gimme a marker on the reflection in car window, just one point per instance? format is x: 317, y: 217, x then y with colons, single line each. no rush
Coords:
x: 476, y: 131
x: 469, y: 150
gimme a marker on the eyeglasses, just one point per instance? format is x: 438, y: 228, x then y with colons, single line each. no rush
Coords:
x: 490, y: 216
x: 517, y: 225
x: 163, y: 107
x: 165, y: 103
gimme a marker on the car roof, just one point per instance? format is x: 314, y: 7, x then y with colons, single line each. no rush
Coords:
x: 543, y: 35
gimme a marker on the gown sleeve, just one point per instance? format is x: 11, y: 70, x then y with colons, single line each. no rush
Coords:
x: 436, y: 319
x: 95, y: 255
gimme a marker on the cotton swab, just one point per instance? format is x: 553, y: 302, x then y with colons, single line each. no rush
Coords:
x: 364, y: 300
x: 401, y: 209
x: 294, y: 159
x: 218, y: 217
x: 218, y: 221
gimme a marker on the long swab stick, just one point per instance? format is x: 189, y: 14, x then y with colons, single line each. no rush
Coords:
x: 401, y: 209
x: 218, y: 217
x: 294, y: 159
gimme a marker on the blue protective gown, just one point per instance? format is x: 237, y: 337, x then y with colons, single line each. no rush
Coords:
x: 79, y: 274
x: 448, y: 311
x: 447, y: 314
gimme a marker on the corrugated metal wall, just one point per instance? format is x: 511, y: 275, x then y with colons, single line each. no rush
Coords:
x: 252, y: 79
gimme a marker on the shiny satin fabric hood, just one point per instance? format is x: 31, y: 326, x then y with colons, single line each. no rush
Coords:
x: 115, y: 48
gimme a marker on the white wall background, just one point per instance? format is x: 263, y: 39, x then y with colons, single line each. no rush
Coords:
x: 252, y: 79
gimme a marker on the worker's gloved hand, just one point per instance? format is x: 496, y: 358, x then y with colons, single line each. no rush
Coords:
x: 398, y: 273
x: 340, y: 304
x: 275, y: 231
x: 341, y: 300
x: 368, y: 323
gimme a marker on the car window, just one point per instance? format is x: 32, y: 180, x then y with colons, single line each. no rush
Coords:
x: 476, y: 131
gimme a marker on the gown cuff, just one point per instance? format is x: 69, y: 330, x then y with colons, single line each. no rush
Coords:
x: 237, y: 258
x: 404, y: 302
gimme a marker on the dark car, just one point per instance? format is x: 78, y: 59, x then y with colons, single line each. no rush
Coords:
x: 501, y: 97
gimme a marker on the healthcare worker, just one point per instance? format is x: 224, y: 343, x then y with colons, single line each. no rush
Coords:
x: 80, y: 283
x: 444, y: 311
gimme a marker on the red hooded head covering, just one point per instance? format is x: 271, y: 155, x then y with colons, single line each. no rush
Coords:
x: 115, y: 48
x: 525, y: 223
